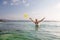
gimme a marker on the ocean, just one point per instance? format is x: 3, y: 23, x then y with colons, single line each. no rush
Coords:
x: 27, y: 31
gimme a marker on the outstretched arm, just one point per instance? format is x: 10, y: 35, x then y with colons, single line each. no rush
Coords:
x: 31, y: 19
x: 41, y: 19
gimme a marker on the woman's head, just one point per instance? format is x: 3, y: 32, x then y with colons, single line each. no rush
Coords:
x: 35, y: 19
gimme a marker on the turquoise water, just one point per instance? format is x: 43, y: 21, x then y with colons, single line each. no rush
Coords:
x: 26, y: 31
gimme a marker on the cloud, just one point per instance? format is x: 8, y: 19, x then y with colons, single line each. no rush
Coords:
x: 27, y: 4
x: 11, y: 4
x: 14, y: 1
x: 5, y: 2
x: 17, y: 2
x: 24, y: 1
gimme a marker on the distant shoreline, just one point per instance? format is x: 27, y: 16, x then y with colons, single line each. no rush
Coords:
x: 25, y: 21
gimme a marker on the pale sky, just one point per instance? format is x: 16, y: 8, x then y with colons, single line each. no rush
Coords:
x: 15, y: 9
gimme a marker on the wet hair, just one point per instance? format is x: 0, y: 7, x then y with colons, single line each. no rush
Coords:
x: 35, y: 19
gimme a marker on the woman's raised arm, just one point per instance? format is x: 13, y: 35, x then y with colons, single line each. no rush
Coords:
x: 31, y: 19
x: 41, y: 19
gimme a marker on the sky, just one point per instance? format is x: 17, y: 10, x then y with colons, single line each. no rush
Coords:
x: 36, y: 9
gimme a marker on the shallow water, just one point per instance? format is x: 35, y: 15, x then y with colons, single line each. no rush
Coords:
x: 26, y: 31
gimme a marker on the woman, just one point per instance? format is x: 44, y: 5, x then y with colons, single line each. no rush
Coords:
x: 36, y: 22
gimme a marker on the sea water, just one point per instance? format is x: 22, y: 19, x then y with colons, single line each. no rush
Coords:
x: 26, y: 31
